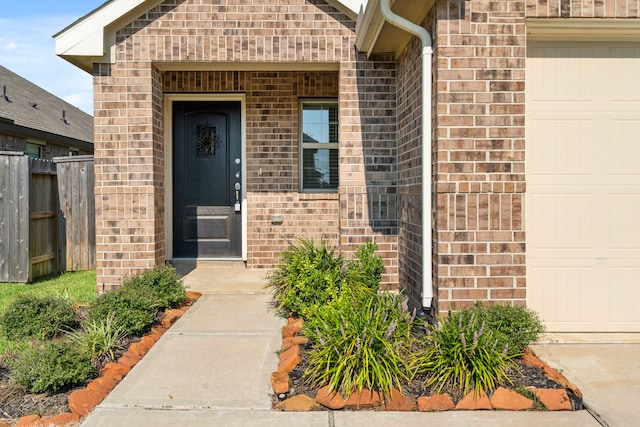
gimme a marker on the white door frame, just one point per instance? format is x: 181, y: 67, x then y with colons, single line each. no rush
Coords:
x: 168, y: 161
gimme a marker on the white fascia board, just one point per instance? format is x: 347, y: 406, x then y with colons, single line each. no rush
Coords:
x: 348, y: 7
x: 368, y: 26
x: 88, y: 37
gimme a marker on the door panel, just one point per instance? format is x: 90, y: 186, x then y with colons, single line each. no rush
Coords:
x: 206, y: 144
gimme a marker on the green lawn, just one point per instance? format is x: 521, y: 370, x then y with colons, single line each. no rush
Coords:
x: 79, y: 286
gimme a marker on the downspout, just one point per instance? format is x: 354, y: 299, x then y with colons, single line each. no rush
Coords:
x: 425, y: 38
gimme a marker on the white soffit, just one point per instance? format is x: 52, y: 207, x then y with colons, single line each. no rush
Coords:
x: 375, y: 35
x: 575, y: 29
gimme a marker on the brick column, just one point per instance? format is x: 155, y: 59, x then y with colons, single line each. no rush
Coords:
x: 129, y: 168
x: 480, y: 250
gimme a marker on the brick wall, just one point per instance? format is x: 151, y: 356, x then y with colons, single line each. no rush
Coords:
x: 583, y: 8
x: 130, y: 171
x: 480, y: 55
x: 410, y: 191
x: 272, y: 154
x: 479, y: 171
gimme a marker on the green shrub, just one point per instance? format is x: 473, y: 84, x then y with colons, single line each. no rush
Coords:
x: 163, y: 281
x: 309, y: 277
x: 100, y: 337
x: 133, y: 308
x: 51, y: 366
x: 462, y: 353
x: 366, y: 268
x: 362, y: 340
x: 37, y: 317
x: 515, y: 327
x: 306, y: 278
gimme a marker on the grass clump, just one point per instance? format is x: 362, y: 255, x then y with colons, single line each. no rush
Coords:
x: 100, y: 338
x: 51, y: 366
x: 463, y: 353
x: 37, y: 317
x: 362, y: 341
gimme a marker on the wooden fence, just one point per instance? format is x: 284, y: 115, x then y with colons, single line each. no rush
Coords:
x: 77, y: 208
x: 41, y: 216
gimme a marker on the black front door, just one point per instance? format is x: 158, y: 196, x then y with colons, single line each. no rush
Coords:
x: 206, y: 179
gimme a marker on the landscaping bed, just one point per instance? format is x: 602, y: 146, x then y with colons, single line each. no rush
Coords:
x: 539, y: 387
x: 58, y: 377
x: 350, y: 344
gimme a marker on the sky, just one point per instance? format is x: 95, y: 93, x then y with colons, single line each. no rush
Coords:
x: 27, y: 47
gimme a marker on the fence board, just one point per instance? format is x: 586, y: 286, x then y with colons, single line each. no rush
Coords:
x: 43, y: 238
x: 15, y: 217
x: 5, y: 228
x: 77, y: 203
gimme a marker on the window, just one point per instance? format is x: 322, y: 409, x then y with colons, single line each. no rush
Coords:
x: 34, y: 150
x: 319, y: 146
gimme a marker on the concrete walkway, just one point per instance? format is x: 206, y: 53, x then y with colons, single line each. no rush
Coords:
x: 212, y: 368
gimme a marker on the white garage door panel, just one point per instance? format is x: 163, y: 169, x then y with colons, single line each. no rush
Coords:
x: 561, y: 221
x: 625, y: 148
x: 624, y: 229
x: 565, y: 147
x: 583, y: 185
x: 623, y: 303
x: 569, y: 287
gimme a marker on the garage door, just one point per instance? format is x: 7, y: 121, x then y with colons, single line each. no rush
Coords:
x: 583, y: 185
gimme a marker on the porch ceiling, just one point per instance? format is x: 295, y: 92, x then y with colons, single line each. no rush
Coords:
x: 375, y: 35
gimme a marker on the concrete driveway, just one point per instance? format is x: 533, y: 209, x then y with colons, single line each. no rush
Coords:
x: 606, y: 368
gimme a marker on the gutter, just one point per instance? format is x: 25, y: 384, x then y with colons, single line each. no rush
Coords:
x: 425, y: 38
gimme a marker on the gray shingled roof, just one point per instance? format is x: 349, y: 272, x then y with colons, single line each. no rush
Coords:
x: 46, y: 114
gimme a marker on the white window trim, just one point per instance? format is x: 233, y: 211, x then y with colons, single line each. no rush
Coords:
x: 302, y: 145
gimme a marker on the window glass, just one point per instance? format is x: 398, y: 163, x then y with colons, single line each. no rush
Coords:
x: 34, y: 150
x: 319, y: 153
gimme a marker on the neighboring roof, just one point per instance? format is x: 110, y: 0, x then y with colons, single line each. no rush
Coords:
x: 29, y: 110
x: 91, y: 38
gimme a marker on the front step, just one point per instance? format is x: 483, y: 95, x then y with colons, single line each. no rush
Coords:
x: 191, y: 264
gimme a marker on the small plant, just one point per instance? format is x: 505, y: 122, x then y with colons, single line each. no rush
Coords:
x: 537, y: 405
x: 51, y: 366
x: 515, y: 327
x: 463, y: 353
x: 133, y: 309
x: 163, y: 281
x: 306, y: 278
x: 366, y: 268
x: 363, y: 340
x: 100, y: 338
x: 35, y: 317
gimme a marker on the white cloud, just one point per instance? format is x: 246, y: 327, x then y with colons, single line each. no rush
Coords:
x: 28, y: 49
